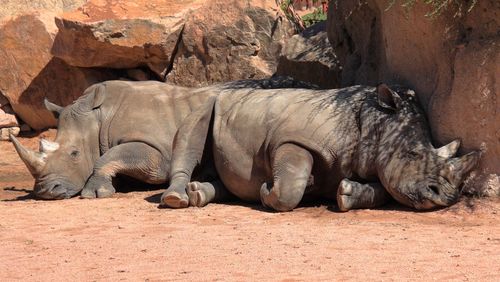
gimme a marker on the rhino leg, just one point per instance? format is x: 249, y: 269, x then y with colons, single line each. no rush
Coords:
x: 354, y: 195
x: 137, y: 160
x: 292, y: 167
x: 202, y: 193
x: 189, y: 149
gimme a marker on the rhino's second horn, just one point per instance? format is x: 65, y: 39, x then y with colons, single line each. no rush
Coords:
x: 47, y: 146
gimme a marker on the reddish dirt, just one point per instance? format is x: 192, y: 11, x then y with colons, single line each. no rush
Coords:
x: 128, y: 237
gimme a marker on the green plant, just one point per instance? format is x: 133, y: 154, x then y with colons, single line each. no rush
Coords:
x: 460, y: 7
x: 300, y: 23
x: 315, y: 17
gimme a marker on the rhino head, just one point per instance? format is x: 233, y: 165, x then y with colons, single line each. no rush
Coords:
x: 62, y: 167
x: 412, y: 170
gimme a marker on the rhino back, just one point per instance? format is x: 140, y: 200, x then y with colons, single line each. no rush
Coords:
x: 148, y: 112
x: 250, y: 125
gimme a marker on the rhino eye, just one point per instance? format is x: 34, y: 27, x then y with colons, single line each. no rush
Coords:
x: 75, y: 154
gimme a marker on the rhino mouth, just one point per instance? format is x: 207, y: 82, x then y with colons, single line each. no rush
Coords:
x: 433, y: 197
x: 55, y: 189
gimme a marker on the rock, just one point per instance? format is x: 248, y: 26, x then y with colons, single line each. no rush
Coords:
x: 30, y: 73
x: 3, y: 100
x: 122, y: 34
x: 25, y: 128
x: 138, y: 75
x: 451, y: 61
x: 4, y: 132
x: 16, y: 7
x: 471, y: 110
x: 309, y: 57
x: 191, y: 43
x: 243, y: 43
x: 7, y: 117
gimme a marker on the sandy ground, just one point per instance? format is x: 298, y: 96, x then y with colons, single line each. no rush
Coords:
x: 128, y: 237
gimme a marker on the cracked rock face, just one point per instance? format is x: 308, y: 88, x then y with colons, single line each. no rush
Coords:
x: 309, y: 57
x: 243, y: 43
x: 190, y: 43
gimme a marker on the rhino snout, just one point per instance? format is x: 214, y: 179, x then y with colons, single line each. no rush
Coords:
x: 55, y: 190
x: 434, y: 196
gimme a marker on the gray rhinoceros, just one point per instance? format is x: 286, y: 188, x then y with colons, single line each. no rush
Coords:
x: 116, y: 127
x: 361, y: 144
x: 119, y: 127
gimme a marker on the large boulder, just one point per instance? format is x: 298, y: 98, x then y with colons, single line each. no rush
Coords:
x: 229, y: 40
x: 309, y: 57
x: 191, y: 43
x: 30, y: 73
x: 451, y: 60
x: 122, y: 34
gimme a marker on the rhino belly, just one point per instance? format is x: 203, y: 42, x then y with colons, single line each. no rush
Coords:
x: 242, y: 173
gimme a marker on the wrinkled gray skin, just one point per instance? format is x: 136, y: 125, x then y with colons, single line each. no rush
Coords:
x: 116, y: 127
x: 361, y: 144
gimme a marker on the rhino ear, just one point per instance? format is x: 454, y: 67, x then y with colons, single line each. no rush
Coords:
x: 92, y: 98
x: 99, y: 95
x: 55, y: 109
x: 388, y: 98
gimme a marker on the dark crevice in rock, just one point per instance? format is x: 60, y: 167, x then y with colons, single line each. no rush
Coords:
x: 173, y: 55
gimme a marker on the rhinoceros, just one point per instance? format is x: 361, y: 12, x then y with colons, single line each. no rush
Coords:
x: 361, y: 145
x: 119, y: 127
x: 116, y: 127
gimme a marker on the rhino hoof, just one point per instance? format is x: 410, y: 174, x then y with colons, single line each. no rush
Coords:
x: 344, y: 192
x: 196, y: 196
x: 175, y: 200
x: 105, y: 192
x: 87, y: 194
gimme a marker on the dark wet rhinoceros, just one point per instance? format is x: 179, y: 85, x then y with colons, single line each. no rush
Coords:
x: 361, y: 144
x: 116, y: 127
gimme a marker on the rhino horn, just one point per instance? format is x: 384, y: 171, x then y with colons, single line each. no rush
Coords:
x: 456, y: 169
x: 34, y: 161
x: 47, y: 146
x: 449, y: 150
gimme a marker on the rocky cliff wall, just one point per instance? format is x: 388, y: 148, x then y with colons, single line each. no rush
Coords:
x: 451, y: 60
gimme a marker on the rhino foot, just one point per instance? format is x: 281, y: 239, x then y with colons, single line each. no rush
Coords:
x: 92, y: 190
x: 197, y: 197
x: 354, y: 195
x: 175, y: 200
x: 345, y: 201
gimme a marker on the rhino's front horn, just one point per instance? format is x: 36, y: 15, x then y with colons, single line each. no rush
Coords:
x: 47, y: 146
x: 33, y: 160
x: 456, y: 169
x: 448, y: 151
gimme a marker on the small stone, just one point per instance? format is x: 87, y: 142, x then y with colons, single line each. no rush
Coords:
x: 4, y: 132
x: 7, y: 117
